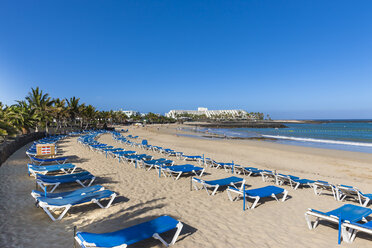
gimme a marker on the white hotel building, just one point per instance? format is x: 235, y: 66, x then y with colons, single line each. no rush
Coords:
x: 208, y: 113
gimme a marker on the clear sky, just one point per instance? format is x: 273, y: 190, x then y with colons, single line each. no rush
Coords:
x: 291, y: 59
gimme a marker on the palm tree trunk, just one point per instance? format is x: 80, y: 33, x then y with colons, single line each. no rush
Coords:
x: 46, y: 127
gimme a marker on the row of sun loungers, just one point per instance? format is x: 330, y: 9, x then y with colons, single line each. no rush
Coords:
x: 56, y: 205
x: 236, y: 186
x: 134, y: 234
x: 352, y: 218
x: 47, y: 140
x: 340, y: 192
x: 167, y: 168
x: 50, y: 173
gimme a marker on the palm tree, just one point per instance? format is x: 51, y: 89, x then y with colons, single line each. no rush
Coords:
x: 89, y: 114
x: 73, y: 108
x: 80, y: 114
x: 6, y: 128
x: 42, y: 104
x: 22, y: 116
x: 60, y: 112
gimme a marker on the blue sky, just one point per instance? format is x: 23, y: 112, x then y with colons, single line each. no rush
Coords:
x: 291, y: 59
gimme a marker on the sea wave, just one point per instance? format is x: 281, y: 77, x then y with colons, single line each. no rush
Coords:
x: 338, y: 142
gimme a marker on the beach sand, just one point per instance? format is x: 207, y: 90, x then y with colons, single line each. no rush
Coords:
x: 210, y: 221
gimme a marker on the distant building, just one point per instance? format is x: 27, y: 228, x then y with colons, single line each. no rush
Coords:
x: 129, y: 113
x: 233, y: 113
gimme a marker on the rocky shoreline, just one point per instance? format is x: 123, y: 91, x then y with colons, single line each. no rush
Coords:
x: 246, y: 124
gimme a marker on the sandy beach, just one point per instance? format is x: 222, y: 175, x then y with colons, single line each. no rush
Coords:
x: 210, y: 221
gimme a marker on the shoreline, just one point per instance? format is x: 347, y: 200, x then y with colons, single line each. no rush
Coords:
x: 322, y: 143
x: 171, y: 130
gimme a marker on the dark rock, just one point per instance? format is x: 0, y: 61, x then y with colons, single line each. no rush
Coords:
x: 9, y: 147
x: 250, y: 124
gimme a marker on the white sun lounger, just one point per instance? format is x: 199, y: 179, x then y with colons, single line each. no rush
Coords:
x: 85, y: 179
x: 51, y: 205
x: 215, y: 184
x: 257, y: 194
x: 132, y: 235
x: 176, y: 171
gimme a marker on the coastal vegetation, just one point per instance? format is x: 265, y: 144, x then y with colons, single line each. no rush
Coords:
x: 38, y: 111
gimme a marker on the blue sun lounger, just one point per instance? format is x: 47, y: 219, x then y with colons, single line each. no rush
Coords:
x: 94, y: 188
x: 145, y: 145
x: 132, y: 235
x: 319, y: 186
x: 301, y: 182
x: 122, y: 154
x: 176, y: 171
x: 251, y: 171
x: 229, y: 181
x: 198, y: 159
x: 293, y: 181
x: 40, y: 161
x: 51, y: 204
x: 156, y: 162
x: 350, y: 230
x: 81, y: 178
x: 40, y: 169
x: 132, y: 159
x: 364, y: 198
x: 348, y: 212
x: 345, y: 191
x: 257, y: 194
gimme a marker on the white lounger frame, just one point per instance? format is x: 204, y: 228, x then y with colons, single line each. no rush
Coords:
x: 266, y: 175
x: 349, y: 231
x: 319, y: 187
x: 196, y: 181
x: 168, y: 172
x: 256, y: 198
x: 50, y: 209
x: 156, y: 165
x: 34, y: 172
x: 343, y: 192
x: 44, y: 185
x: 318, y: 216
x: 155, y: 236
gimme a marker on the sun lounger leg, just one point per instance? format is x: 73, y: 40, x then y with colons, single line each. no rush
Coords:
x: 274, y: 196
x: 215, y: 189
x: 179, y: 229
x: 194, y: 184
x: 55, y: 186
x: 257, y: 198
x: 48, y: 212
x: 178, y: 176
x: 165, y: 175
x: 334, y: 194
x: 201, y: 173
x: 90, y: 183
x: 347, y: 234
x: 315, y: 192
x: 108, y: 204
x: 296, y: 186
x: 230, y: 195
x: 157, y: 236
x: 308, y: 221
x: 285, y: 195
x: 263, y: 177
x: 366, y: 202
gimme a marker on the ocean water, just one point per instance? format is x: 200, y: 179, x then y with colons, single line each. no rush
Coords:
x: 350, y: 136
